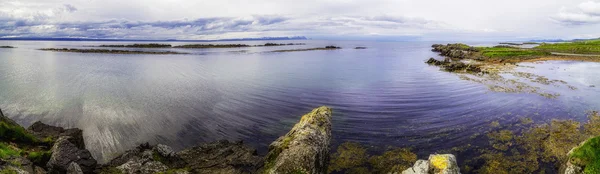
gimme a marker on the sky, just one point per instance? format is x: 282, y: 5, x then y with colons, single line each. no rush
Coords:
x: 317, y: 19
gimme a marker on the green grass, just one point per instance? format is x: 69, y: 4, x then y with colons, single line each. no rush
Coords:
x: 15, y: 133
x: 589, y: 155
x: 6, y: 151
x: 8, y: 171
x: 579, y: 47
x: 39, y: 157
x: 507, y: 52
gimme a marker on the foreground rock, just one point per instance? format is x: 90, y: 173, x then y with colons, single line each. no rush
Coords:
x: 64, y: 152
x: 305, y: 149
x: 437, y: 164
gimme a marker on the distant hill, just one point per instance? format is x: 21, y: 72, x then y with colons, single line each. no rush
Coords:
x: 562, y: 40
x: 149, y: 40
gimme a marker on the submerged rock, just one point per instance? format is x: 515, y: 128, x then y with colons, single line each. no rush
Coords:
x: 305, y: 148
x: 222, y: 157
x: 437, y: 164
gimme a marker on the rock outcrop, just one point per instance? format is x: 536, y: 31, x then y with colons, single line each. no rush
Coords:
x: 454, y: 66
x: 64, y: 152
x: 304, y: 149
x: 44, y: 131
x: 458, y: 51
x: 437, y: 164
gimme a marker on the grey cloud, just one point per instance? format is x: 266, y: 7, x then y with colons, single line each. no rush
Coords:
x: 587, y: 13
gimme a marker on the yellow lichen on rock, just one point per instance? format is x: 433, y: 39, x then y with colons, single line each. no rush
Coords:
x: 439, y: 162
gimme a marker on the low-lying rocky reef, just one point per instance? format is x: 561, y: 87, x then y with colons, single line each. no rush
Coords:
x: 234, y: 45
x: 106, y: 51
x: 151, y: 45
x: 7, y: 47
x: 310, y: 49
x: 454, y: 66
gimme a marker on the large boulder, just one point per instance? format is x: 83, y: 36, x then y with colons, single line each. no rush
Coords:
x: 44, y: 131
x: 305, y: 148
x: 437, y: 164
x: 222, y: 157
x: 64, y: 152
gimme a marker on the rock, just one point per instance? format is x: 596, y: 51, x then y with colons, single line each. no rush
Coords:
x: 221, y: 157
x: 420, y: 167
x: 573, y: 169
x: 360, y: 48
x: 437, y: 164
x: 152, y: 167
x: 142, y: 166
x: 459, y: 51
x: 128, y: 155
x: 132, y: 166
x: 443, y: 164
x: 39, y: 170
x: 74, y: 169
x: 44, y: 131
x: 64, y: 152
x: 305, y: 148
x: 164, y: 150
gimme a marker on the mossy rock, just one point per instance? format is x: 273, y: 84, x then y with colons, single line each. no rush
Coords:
x: 587, y: 156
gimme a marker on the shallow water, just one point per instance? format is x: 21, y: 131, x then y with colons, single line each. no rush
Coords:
x: 382, y: 96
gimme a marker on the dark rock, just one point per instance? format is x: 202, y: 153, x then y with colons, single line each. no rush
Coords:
x: 44, y: 131
x: 64, y: 152
x: 305, y: 148
x: 458, y: 51
x: 74, y: 169
x: 360, y: 48
x: 222, y: 157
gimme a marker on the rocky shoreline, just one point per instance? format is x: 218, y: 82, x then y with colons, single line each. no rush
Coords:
x: 305, y: 149
x: 42, y: 148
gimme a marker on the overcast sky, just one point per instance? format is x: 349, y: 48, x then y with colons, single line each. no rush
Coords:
x: 318, y: 19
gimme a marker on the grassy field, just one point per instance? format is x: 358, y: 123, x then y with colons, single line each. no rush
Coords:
x: 579, y: 47
x: 508, y: 52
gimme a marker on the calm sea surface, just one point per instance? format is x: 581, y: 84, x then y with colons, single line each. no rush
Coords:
x: 382, y: 96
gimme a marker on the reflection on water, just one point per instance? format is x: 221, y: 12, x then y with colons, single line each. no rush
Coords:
x: 382, y: 96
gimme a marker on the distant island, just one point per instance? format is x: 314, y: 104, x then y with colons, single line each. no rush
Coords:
x: 150, y: 40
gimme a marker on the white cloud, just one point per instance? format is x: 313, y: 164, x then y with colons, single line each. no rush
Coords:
x: 586, y: 13
x: 188, y: 19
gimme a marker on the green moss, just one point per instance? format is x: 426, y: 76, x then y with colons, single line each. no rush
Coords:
x: 15, y: 133
x: 588, y: 155
x: 39, y: 157
x: 159, y: 158
x: 7, y: 151
x: 8, y: 171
